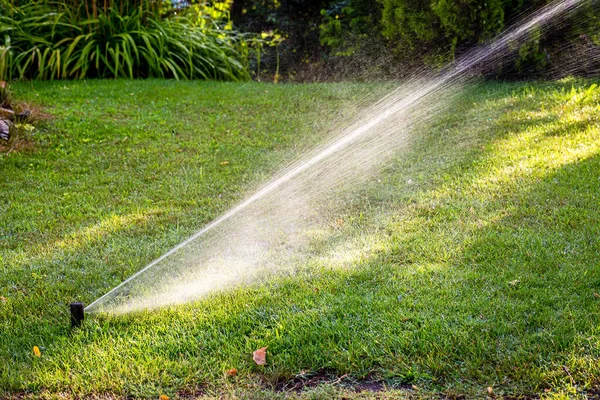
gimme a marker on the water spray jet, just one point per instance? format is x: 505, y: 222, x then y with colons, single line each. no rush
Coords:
x: 239, y: 244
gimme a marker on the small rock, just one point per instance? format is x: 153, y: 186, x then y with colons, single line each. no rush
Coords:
x: 4, y: 129
x: 409, y: 182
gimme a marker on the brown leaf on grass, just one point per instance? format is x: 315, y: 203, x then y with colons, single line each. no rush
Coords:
x: 232, y: 372
x: 3, y: 299
x: 163, y: 397
x: 260, y: 356
x: 36, y: 351
x: 224, y: 162
x: 490, y: 390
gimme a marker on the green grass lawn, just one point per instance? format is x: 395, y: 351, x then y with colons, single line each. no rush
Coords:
x: 473, y: 261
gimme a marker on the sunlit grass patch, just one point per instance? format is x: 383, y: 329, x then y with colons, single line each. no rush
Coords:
x: 471, y: 263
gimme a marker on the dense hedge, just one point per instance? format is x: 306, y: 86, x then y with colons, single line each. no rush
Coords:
x: 402, y: 35
x: 435, y: 30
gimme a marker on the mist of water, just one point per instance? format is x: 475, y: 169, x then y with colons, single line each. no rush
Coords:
x: 272, y: 229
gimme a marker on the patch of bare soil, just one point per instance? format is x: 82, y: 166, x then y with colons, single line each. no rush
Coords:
x: 306, y: 381
x: 190, y: 393
x: 16, y: 145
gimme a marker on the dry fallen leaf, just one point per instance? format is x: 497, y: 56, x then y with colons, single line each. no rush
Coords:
x: 163, y: 397
x: 490, y: 390
x: 514, y: 283
x: 232, y: 372
x: 3, y: 299
x: 224, y: 162
x: 36, y: 351
x: 260, y: 356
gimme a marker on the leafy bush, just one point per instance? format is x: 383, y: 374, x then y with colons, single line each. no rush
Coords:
x: 433, y: 30
x: 531, y: 57
x: 350, y: 24
x: 116, y: 38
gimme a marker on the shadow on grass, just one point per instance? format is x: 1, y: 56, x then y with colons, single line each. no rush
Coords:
x: 468, y: 285
x: 509, y: 310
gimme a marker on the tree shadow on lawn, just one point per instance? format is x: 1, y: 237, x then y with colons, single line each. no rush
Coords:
x: 508, y: 312
x: 453, y: 294
x: 516, y: 307
x: 62, y: 246
x: 536, y: 273
x: 513, y: 305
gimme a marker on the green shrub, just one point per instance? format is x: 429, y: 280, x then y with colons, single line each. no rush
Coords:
x: 116, y: 38
x: 434, y: 29
x: 531, y: 57
x: 348, y: 25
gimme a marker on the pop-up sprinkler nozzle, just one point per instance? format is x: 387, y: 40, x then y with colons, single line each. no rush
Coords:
x: 77, y: 314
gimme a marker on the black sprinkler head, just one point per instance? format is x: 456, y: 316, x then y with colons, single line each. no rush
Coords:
x: 77, y: 314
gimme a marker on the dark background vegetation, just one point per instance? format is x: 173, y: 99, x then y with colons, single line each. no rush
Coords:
x: 300, y: 40
x: 379, y: 38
